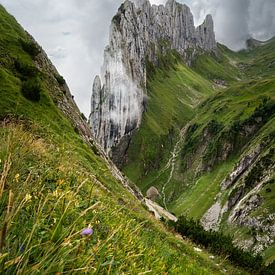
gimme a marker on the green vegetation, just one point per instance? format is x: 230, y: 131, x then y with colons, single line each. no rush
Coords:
x: 52, y: 191
x: 204, y: 190
x: 173, y: 93
x: 60, y: 79
x: 219, y: 243
x: 31, y: 89
x: 227, y: 103
x: 30, y: 47
x: 53, y: 185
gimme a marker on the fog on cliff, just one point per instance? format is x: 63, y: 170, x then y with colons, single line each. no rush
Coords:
x: 74, y: 33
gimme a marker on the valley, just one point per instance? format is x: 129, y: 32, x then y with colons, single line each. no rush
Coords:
x: 173, y: 171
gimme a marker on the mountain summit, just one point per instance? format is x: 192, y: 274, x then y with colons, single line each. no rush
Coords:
x: 140, y: 32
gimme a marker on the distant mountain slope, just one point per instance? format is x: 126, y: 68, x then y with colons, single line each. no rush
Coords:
x: 218, y: 135
x: 55, y: 182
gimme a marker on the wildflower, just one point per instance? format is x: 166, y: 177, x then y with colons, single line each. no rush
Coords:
x: 56, y: 193
x: 87, y: 232
x: 60, y: 182
x: 28, y: 197
x: 197, y: 249
x: 67, y: 243
x: 22, y: 248
x: 16, y: 177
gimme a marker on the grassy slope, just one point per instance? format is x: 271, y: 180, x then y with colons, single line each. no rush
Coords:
x: 174, y: 96
x: 55, y: 185
x: 249, y: 77
x: 235, y: 103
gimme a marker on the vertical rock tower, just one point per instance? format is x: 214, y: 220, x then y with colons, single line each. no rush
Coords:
x: 137, y: 33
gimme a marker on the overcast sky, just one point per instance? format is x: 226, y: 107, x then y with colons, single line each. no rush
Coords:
x: 75, y: 32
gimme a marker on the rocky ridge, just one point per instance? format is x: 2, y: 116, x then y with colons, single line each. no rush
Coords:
x: 139, y: 33
x: 242, y: 201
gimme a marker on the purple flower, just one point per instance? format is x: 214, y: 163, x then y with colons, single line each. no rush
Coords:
x: 87, y: 232
x: 22, y: 248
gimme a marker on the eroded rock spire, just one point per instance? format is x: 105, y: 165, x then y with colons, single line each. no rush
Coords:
x: 138, y: 32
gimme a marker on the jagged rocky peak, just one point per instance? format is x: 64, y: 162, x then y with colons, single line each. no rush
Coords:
x: 206, y: 35
x: 140, y: 3
x: 138, y: 32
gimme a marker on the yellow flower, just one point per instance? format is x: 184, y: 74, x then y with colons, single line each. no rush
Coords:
x: 60, y: 182
x: 28, y: 197
x: 16, y: 177
x: 56, y: 193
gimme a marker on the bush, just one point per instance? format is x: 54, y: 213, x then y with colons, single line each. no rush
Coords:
x: 257, y: 171
x: 84, y: 117
x: 30, y: 47
x: 217, y: 243
x: 214, y: 127
x: 268, y: 270
x: 26, y: 70
x: 60, y: 79
x: 31, y: 89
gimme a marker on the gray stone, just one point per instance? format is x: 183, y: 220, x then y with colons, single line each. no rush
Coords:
x: 241, y: 167
x: 152, y: 193
x: 139, y: 32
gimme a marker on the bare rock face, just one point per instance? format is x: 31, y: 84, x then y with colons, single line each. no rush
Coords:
x: 210, y: 220
x: 139, y: 32
x: 206, y: 35
x: 242, y: 166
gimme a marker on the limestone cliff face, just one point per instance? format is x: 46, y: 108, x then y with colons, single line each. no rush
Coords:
x: 139, y: 32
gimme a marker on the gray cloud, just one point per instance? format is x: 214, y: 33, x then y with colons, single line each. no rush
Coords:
x: 262, y: 19
x: 74, y: 33
x: 231, y: 19
x: 237, y: 20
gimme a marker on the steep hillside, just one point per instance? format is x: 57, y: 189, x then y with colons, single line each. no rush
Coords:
x: 201, y: 124
x: 62, y: 208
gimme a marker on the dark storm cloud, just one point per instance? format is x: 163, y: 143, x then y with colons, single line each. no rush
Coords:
x: 75, y: 32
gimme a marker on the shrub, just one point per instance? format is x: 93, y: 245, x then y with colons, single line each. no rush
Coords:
x: 268, y: 270
x: 217, y: 243
x: 30, y: 47
x: 257, y: 171
x: 25, y: 69
x: 31, y: 89
x: 60, y: 79
x: 83, y: 117
x: 214, y: 127
x: 265, y: 110
x: 116, y: 20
